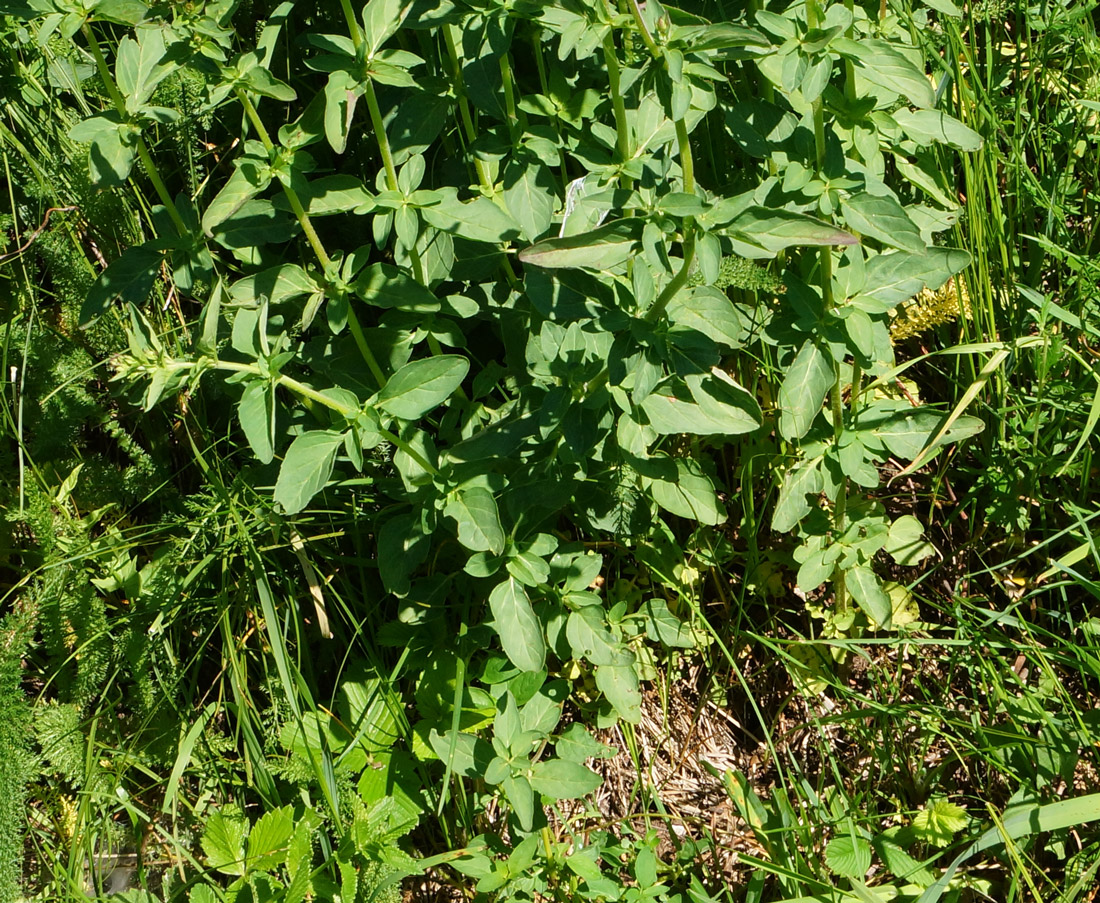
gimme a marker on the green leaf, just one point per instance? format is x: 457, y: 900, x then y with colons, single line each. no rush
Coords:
x: 381, y: 19
x: 803, y: 391
x: 269, y: 839
x: 601, y: 249
x: 774, y: 230
x: 521, y: 795
x: 306, y: 468
x: 847, y: 856
x: 663, y: 626
x: 708, y: 310
x: 577, y: 745
x: 138, y: 65
x: 341, y: 94
x: 131, y: 278
x: 256, y: 411
x: 111, y: 153
x: 802, y: 480
x: 906, y: 544
x: 529, y: 195
x: 939, y: 822
x: 905, y: 433
x: 561, y: 779
x: 895, y: 277
x: 475, y: 512
x: 927, y: 126
x: 590, y: 640
x: 248, y: 180
x: 882, y: 218
x: 276, y: 285
x: 880, y: 63
x: 691, y: 496
x: 619, y: 685
x: 223, y: 843
x: 867, y: 590
x: 519, y: 629
x: 422, y: 385
x: 476, y: 220
x: 386, y: 286
x: 723, y: 401
x: 471, y: 755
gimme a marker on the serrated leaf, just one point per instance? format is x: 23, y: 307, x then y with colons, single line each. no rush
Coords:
x: 269, y: 839
x: 848, y: 857
x: 803, y: 391
x: 939, y: 822
x: 306, y: 468
x: 223, y: 843
x: 561, y: 779
x: 519, y: 629
x: 475, y: 512
x: 422, y: 385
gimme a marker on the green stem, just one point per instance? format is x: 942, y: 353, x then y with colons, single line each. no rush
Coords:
x: 687, y: 167
x: 380, y: 134
x: 353, y: 24
x: 304, y: 391
x: 464, y: 107
x: 314, y: 239
x: 614, y: 77
x: 509, y: 95
x: 650, y: 44
x: 142, y: 149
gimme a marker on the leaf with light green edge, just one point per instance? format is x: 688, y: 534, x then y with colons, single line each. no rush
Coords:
x: 803, y: 390
x: 528, y: 568
x: 709, y: 310
x: 561, y: 779
x: 867, y: 590
x: 422, y: 385
x: 944, y: 6
x: 848, y: 857
x: 249, y: 178
x: 691, y: 496
x: 882, y: 218
x: 725, y: 402
x: 882, y: 64
x: 664, y: 627
x: 223, y: 841
x: 927, y: 126
x: 260, y: 81
x: 860, y: 330
x: 477, y: 220
x: 893, y: 278
x: 775, y: 230
x: 529, y: 194
x: 671, y: 411
x: 475, y: 512
x: 719, y: 36
x: 517, y: 625
x: 804, y: 479
x: 341, y: 94
x: 269, y: 839
x: 577, y: 745
x: 111, y: 155
x: 130, y: 278
x: 256, y: 412
x: 900, y: 864
x: 601, y: 249
x: 306, y: 468
x: 906, y: 544
x: 590, y: 640
x: 521, y: 795
x: 619, y: 685
x: 1020, y: 821
x: 371, y: 709
x: 383, y: 285
x: 939, y: 821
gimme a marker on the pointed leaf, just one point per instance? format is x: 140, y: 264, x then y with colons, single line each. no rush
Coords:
x: 422, y: 385
x: 475, y: 512
x: 560, y: 779
x: 519, y: 629
x: 306, y: 468
x: 803, y: 391
x: 867, y: 590
x: 882, y: 218
x: 601, y: 249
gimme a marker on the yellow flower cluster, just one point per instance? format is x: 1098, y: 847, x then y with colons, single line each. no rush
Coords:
x: 930, y: 309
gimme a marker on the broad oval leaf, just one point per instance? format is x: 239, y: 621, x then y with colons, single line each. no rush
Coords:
x: 306, y: 468
x: 803, y: 390
x: 882, y: 218
x: 867, y: 590
x: 896, y: 277
x: 422, y: 385
x: 475, y: 512
x: 519, y: 629
x: 560, y: 779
